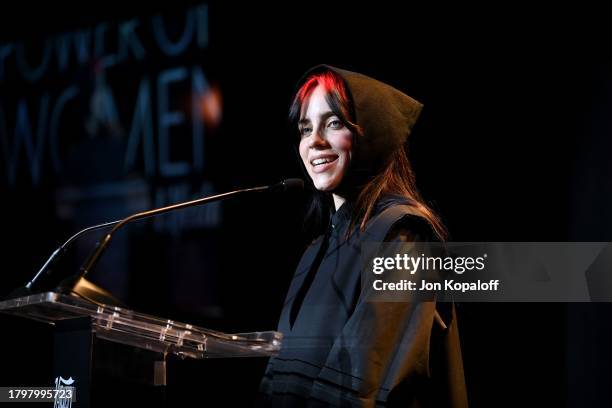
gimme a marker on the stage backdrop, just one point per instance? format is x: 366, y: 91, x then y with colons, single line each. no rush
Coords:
x: 108, y: 110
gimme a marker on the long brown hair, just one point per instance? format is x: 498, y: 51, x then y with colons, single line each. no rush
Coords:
x: 395, y: 178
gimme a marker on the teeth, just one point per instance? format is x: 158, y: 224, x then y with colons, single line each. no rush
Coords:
x: 323, y: 160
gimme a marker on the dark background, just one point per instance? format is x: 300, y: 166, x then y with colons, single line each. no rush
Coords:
x: 513, y: 145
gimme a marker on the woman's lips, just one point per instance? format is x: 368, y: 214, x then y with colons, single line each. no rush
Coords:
x: 323, y: 167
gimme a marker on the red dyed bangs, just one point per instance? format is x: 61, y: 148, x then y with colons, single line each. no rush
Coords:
x: 331, y: 82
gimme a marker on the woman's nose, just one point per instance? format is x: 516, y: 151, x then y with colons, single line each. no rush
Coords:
x: 316, y: 139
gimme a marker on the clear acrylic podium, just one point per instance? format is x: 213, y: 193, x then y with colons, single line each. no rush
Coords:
x: 79, y: 324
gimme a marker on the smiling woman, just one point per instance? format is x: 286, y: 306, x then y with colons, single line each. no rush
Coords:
x: 340, y: 349
x: 325, y: 142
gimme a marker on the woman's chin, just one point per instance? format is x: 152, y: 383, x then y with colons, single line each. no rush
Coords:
x: 326, y: 185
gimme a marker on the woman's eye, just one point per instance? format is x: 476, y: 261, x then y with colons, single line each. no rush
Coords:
x: 335, y: 124
x: 305, y: 131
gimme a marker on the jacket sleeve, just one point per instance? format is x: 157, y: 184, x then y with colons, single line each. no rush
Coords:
x: 395, y: 353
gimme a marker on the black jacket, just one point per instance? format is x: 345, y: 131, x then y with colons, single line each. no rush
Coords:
x: 343, y: 350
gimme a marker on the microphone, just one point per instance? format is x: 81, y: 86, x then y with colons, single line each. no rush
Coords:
x: 52, y: 260
x: 79, y: 285
x: 287, y: 185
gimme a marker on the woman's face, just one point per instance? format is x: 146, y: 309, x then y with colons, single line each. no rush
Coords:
x: 325, y: 144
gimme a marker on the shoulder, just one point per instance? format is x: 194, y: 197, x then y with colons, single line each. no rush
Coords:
x: 407, y: 224
x: 411, y: 228
x: 398, y: 219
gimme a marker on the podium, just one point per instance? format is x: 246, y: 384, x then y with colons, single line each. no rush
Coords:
x: 80, y: 327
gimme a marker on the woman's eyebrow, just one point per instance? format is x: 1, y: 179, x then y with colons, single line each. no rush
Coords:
x: 322, y: 117
x: 325, y: 115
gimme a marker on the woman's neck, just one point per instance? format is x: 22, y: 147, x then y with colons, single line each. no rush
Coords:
x: 338, y: 201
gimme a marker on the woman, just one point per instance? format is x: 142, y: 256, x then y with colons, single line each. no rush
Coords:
x: 340, y: 349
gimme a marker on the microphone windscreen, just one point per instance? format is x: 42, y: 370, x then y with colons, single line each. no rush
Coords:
x: 293, y: 184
